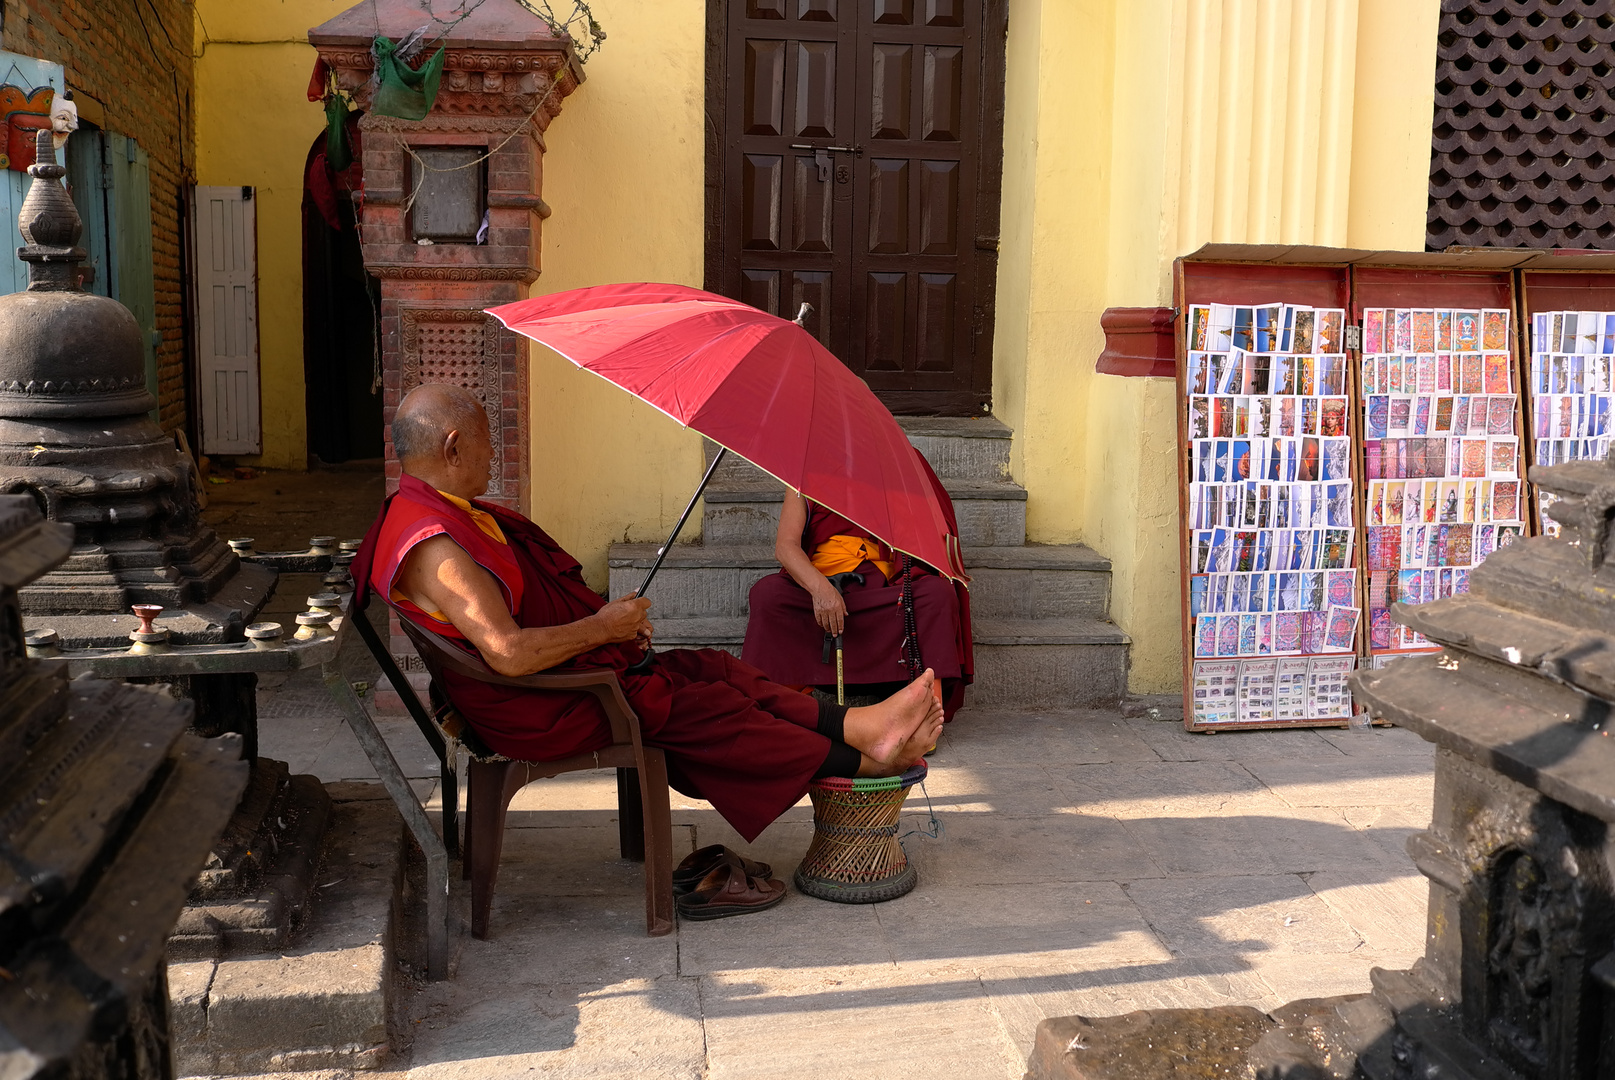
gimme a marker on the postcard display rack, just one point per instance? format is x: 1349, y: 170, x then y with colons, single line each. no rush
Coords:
x: 1269, y: 499
x: 1570, y: 377
x: 1401, y: 469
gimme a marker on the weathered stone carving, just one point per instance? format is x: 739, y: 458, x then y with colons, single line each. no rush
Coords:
x: 107, y: 809
x: 77, y: 438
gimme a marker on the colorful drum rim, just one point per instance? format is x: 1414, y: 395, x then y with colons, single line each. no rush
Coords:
x: 908, y: 779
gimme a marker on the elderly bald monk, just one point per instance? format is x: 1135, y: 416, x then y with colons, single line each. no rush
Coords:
x: 497, y: 585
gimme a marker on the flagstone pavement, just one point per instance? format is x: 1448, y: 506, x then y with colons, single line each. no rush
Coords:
x: 1086, y: 863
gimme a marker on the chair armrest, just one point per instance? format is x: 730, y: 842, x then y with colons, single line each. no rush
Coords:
x: 439, y: 651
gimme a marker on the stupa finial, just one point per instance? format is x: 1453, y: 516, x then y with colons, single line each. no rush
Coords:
x: 50, y: 225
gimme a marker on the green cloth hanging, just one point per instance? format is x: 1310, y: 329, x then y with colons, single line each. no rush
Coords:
x: 402, y: 91
x: 337, y: 151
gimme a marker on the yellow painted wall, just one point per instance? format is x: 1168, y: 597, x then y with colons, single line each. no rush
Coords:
x: 1134, y: 134
x: 254, y: 125
x: 623, y: 175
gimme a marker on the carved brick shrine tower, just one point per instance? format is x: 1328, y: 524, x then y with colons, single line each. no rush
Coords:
x: 428, y: 192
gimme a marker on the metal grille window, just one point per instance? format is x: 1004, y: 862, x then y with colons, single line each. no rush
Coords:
x: 1524, y: 137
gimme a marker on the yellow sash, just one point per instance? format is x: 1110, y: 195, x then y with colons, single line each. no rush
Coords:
x: 841, y: 553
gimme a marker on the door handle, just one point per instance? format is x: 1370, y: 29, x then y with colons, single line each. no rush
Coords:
x: 821, y: 156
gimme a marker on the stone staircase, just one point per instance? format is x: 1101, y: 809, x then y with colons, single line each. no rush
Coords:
x: 1041, y: 611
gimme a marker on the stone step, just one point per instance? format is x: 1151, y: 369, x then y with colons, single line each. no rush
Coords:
x: 1049, y: 663
x: 322, y: 1002
x: 991, y: 513
x: 1033, y: 581
x: 1035, y: 663
x: 963, y: 448
x: 969, y: 448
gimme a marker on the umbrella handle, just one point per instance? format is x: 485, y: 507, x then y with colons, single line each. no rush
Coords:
x: 642, y: 665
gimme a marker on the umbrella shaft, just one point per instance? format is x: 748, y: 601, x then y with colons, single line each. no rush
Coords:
x: 674, y: 535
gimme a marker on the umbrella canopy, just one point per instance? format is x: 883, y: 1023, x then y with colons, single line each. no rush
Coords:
x: 759, y: 386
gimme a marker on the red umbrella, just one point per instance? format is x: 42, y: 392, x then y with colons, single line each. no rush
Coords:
x: 760, y: 386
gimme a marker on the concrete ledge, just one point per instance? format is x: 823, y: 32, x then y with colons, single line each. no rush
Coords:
x: 324, y: 1003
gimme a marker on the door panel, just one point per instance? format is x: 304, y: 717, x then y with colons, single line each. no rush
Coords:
x: 225, y: 273
x: 850, y: 174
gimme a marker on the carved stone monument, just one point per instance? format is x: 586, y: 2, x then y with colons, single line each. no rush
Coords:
x: 76, y: 437
x: 107, y: 810
x: 1518, y: 978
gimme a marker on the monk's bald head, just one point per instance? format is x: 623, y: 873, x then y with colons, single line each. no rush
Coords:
x: 428, y: 414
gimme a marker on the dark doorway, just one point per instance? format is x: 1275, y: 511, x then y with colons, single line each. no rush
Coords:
x: 341, y: 321
x: 854, y: 161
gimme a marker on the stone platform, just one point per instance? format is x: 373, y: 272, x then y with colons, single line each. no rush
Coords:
x: 324, y: 1002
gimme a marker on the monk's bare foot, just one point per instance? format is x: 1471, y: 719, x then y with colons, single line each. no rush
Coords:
x: 917, y: 745
x: 879, y: 731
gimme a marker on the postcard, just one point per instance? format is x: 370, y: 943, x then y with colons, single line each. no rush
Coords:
x: 1290, y: 690
x: 1205, y: 636
x: 1378, y: 410
x: 1329, y: 336
x: 1504, y: 457
x: 1466, y: 331
x: 1341, y: 587
x: 1216, y: 692
x: 1474, y: 458
x: 1443, y: 329
x: 1441, y: 422
x: 1425, y: 369
x: 1341, y: 633
x: 1501, y: 416
x: 1381, y: 629
x: 1494, y: 330
x: 1421, y: 415
x: 1257, y: 691
x: 1373, y: 330
x: 1332, y: 420
x: 1401, y: 414
x: 1471, y: 373
x: 1302, y: 342
x: 1424, y: 331
x: 1506, y: 501
x: 1404, y: 331
x: 1499, y: 374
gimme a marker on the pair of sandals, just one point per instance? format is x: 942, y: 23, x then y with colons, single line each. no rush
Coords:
x: 716, y: 883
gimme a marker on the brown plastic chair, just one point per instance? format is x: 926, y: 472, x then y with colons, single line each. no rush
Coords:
x: 644, y: 820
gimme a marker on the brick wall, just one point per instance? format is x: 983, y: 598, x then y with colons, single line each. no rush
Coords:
x: 134, y: 58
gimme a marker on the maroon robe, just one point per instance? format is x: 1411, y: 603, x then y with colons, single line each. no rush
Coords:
x: 783, y: 640
x: 747, y: 745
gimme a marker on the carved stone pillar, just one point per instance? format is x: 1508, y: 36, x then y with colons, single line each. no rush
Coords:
x: 451, y: 212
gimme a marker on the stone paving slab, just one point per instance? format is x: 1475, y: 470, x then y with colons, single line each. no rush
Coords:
x: 1087, y: 863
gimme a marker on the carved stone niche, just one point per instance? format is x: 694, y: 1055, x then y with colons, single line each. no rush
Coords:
x: 505, y: 76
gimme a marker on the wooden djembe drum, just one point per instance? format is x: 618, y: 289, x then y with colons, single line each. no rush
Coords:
x: 855, y: 857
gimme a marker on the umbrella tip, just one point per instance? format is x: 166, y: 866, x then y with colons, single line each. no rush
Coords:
x: 801, y: 316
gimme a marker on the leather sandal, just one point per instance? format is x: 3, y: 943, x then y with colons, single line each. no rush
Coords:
x: 697, y: 865
x: 727, y: 891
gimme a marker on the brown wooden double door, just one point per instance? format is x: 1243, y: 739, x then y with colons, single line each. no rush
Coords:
x: 855, y: 166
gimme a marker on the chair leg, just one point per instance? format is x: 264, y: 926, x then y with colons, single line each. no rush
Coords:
x: 487, y: 801
x: 657, y: 824
x: 630, y: 816
x: 468, y: 845
x: 449, y: 791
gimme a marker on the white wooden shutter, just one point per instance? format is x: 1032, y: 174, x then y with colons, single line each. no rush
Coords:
x: 225, y: 273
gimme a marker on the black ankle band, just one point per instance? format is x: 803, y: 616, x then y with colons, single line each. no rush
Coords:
x: 833, y: 723
x: 842, y: 760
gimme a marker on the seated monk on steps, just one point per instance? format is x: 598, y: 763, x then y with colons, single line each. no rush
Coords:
x: 496, y: 584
